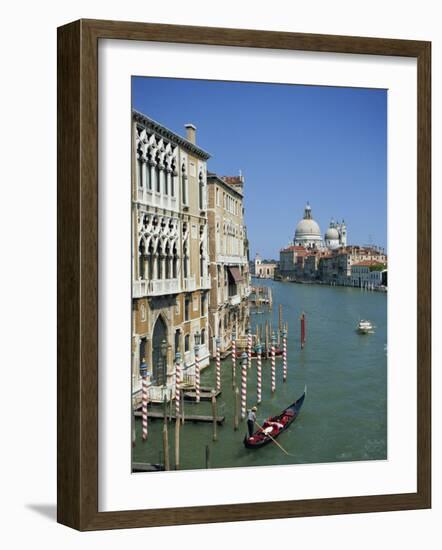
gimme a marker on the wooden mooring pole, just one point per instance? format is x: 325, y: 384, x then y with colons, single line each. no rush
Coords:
x: 236, y: 408
x: 182, y: 406
x: 214, y: 414
x: 267, y: 339
x: 302, y: 330
x: 279, y: 324
x: 177, y: 443
x: 165, y: 437
x: 207, y: 456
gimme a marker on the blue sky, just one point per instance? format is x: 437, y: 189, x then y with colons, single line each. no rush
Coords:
x: 293, y: 144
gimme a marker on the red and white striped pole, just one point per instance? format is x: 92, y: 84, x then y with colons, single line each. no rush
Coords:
x: 273, y: 363
x: 258, y: 372
x: 249, y: 346
x: 178, y: 379
x: 233, y: 359
x: 197, y: 374
x: 144, y: 396
x: 218, y: 364
x: 244, y: 385
x: 284, y: 355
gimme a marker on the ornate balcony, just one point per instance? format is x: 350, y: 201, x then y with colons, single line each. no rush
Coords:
x: 163, y: 286
x: 142, y: 288
x: 189, y: 284
x: 205, y: 282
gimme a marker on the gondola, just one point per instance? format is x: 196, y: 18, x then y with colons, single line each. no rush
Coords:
x: 275, y: 425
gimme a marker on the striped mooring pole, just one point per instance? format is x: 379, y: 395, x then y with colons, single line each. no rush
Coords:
x: 177, y: 383
x: 249, y: 346
x: 233, y: 359
x: 218, y: 364
x: 284, y: 355
x: 273, y: 363
x: 144, y: 396
x: 258, y: 372
x: 244, y: 385
x: 197, y: 374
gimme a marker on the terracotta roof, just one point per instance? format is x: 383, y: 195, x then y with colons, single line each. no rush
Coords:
x: 294, y: 248
x: 367, y: 263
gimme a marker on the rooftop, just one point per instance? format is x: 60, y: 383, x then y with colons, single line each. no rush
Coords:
x: 169, y: 134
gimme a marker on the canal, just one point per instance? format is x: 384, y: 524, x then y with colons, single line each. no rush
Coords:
x: 344, y: 417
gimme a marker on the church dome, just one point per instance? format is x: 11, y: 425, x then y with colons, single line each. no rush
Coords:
x: 307, y: 228
x: 332, y: 234
x: 307, y: 232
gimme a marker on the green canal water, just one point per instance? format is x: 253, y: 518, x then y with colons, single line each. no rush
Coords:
x: 344, y: 416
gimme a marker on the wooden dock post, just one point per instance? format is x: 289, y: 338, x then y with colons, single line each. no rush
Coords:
x: 207, y: 456
x: 236, y: 407
x: 267, y: 339
x: 165, y: 437
x: 165, y: 407
x: 182, y: 406
x: 177, y: 443
x: 279, y: 324
x: 273, y: 372
x: 214, y: 414
x: 302, y: 330
x: 170, y: 406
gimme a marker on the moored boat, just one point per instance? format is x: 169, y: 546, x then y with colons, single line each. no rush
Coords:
x: 275, y: 425
x: 278, y: 353
x: 365, y: 327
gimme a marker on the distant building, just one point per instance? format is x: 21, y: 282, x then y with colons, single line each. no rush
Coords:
x: 308, y: 233
x: 264, y: 269
x: 368, y: 274
x: 229, y: 260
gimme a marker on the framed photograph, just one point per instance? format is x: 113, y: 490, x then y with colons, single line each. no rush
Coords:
x: 244, y: 239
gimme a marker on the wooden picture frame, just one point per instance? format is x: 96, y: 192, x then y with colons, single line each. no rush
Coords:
x: 78, y: 274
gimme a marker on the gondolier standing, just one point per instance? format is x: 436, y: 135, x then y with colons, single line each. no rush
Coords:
x: 251, y: 419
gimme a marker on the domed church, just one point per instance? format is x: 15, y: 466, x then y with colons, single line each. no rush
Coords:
x: 308, y: 233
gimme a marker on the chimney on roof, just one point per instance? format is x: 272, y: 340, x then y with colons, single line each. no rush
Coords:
x: 190, y: 133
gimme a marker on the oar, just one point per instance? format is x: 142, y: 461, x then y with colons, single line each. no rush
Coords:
x: 274, y: 440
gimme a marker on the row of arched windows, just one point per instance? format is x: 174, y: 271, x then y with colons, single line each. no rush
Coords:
x: 160, y: 264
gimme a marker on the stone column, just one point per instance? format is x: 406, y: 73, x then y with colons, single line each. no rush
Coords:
x: 152, y: 174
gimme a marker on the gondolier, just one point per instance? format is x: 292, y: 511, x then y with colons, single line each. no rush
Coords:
x: 251, y: 419
x: 274, y: 426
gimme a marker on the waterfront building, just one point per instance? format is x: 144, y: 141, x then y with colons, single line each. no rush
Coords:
x: 336, y: 267
x: 170, y: 258
x: 368, y: 273
x: 229, y: 260
x: 264, y: 269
